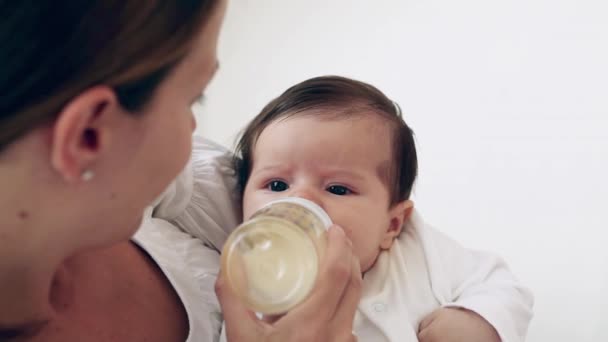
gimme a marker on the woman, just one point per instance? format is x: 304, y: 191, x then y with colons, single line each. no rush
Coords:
x: 95, y: 122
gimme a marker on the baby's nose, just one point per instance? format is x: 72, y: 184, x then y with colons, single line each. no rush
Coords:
x: 309, y: 195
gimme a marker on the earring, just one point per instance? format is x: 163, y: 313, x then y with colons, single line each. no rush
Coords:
x: 87, y: 175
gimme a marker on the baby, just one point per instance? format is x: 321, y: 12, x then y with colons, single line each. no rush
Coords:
x: 344, y: 145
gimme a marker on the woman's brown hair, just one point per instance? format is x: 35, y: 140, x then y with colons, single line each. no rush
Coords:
x: 50, y: 51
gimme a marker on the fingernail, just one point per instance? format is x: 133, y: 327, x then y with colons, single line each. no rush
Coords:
x: 338, y: 229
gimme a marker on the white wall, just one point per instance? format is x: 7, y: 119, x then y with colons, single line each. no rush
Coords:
x: 509, y: 101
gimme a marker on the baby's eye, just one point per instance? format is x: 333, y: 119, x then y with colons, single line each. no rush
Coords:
x: 339, y: 190
x: 277, y: 186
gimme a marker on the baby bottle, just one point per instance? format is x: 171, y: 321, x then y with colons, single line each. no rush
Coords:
x: 271, y: 261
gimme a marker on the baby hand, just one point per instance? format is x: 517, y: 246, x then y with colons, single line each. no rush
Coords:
x: 456, y: 325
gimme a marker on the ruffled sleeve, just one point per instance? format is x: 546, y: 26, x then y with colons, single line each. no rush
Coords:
x: 204, y: 201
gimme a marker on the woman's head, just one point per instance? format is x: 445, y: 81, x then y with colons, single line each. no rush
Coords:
x: 100, y: 88
x: 54, y: 51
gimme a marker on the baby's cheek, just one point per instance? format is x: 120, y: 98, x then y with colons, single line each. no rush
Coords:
x: 359, y: 248
x: 249, y: 205
x: 254, y: 200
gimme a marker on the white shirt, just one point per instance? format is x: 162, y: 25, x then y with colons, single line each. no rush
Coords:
x: 422, y: 272
x: 191, y: 268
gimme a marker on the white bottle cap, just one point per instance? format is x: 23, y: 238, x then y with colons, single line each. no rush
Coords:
x: 310, y: 205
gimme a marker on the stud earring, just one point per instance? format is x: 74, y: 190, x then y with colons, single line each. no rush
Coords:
x: 87, y: 175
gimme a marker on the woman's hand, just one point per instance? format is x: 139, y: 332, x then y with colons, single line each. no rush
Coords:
x: 326, y: 315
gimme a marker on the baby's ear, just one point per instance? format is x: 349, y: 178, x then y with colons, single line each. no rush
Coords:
x: 399, y: 213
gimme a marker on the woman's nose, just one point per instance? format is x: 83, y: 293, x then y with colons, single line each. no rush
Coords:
x: 193, y: 123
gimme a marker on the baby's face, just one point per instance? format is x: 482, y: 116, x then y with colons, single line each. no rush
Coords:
x: 337, y: 164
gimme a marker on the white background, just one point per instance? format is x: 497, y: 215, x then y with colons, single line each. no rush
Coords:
x: 509, y: 102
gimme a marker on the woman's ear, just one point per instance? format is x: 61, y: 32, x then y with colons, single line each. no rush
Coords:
x: 81, y: 131
x: 399, y: 213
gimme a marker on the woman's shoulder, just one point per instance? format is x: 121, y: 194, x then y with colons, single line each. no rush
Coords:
x: 191, y: 268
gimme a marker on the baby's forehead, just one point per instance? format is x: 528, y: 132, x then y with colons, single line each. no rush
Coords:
x: 342, y: 141
x: 375, y: 121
